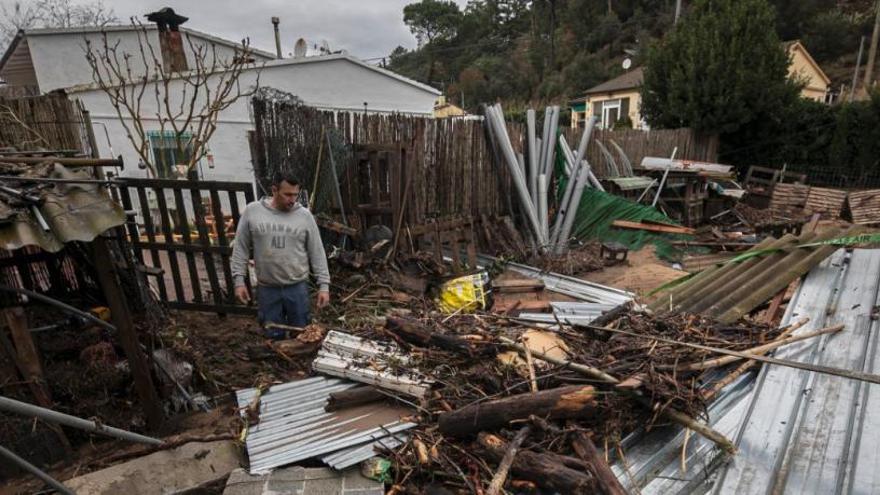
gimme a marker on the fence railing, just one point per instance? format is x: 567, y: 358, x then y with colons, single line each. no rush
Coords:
x: 190, y: 260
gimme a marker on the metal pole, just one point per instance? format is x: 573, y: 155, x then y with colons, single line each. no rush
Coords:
x: 542, y: 205
x: 519, y: 181
x: 574, y: 177
x: 872, y: 51
x: 275, y: 22
x: 534, y: 152
x: 852, y: 92
x: 35, y: 471
x: 571, y: 212
x: 677, y: 10
x: 25, y: 409
x: 663, y: 179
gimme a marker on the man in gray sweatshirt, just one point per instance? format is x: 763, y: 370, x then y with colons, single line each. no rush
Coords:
x: 286, y: 246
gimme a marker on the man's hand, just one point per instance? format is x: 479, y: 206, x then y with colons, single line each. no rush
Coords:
x: 323, y: 298
x: 241, y: 293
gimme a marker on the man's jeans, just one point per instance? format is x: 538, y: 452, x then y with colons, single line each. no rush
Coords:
x: 287, y: 305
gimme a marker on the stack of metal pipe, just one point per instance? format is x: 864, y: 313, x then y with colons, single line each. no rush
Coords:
x: 532, y: 174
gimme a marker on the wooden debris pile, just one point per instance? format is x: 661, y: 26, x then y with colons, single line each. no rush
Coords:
x: 562, y: 400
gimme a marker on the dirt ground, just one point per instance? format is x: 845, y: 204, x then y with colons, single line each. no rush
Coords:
x: 640, y: 273
x: 228, y: 353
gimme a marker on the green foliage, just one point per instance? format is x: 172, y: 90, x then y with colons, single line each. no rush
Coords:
x: 431, y: 20
x: 623, y: 123
x: 550, y: 51
x: 831, y: 34
x: 834, y: 145
x: 720, y: 69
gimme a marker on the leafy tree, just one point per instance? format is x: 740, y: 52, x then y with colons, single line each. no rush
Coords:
x: 721, y: 69
x: 431, y: 20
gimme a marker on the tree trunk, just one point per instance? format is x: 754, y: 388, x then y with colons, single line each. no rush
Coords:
x: 576, y: 401
x: 546, y: 469
x: 607, y: 483
x: 414, y: 333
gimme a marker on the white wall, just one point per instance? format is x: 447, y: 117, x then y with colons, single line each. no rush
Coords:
x: 60, y: 58
x: 331, y: 82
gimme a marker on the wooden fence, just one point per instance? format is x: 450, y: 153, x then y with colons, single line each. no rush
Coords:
x: 448, y: 161
x: 191, y: 262
x: 639, y: 144
x: 50, y: 122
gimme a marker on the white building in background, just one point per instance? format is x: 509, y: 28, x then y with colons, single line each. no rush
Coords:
x: 54, y: 59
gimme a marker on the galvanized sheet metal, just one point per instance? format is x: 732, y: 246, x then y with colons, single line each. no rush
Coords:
x: 349, y: 457
x: 563, y: 284
x: 294, y: 426
x: 809, y: 432
x: 796, y: 431
x: 569, y: 312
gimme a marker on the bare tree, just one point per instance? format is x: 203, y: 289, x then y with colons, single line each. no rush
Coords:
x: 19, y: 14
x: 187, y: 104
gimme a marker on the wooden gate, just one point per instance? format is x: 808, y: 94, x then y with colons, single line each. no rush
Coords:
x: 184, y: 238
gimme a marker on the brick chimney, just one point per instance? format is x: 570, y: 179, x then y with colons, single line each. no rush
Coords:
x: 170, y: 40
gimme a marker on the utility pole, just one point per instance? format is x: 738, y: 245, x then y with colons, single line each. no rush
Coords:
x: 872, y: 52
x: 677, y: 10
x: 852, y: 92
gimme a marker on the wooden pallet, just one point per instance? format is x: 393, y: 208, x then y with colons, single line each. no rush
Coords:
x: 864, y: 207
x: 789, y: 196
x: 826, y: 200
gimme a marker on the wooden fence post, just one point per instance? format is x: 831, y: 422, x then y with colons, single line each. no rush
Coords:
x: 119, y: 311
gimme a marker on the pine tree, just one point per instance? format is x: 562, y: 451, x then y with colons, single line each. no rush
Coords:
x: 722, y: 68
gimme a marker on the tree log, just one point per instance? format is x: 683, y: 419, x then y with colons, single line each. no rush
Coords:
x: 414, y: 333
x: 544, y: 469
x: 507, y: 461
x: 353, y: 397
x: 576, y: 401
x: 606, y: 481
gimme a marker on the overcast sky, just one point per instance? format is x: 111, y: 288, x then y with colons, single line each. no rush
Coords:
x: 366, y: 28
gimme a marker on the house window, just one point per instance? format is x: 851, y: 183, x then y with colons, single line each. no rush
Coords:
x: 610, y: 111
x: 170, y: 160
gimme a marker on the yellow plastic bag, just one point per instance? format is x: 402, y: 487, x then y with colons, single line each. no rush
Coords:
x: 463, y: 294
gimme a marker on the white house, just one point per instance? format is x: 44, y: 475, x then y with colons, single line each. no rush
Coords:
x: 52, y: 59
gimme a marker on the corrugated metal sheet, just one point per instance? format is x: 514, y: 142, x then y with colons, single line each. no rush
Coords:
x: 631, y: 183
x: 294, y: 426
x: 73, y: 212
x: 349, y: 457
x: 731, y: 290
x: 796, y: 431
x: 569, y: 312
x: 813, y: 433
x: 563, y: 284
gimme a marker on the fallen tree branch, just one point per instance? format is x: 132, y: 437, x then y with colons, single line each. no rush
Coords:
x: 672, y: 414
x: 506, y: 461
x: 827, y: 370
x: 758, y: 351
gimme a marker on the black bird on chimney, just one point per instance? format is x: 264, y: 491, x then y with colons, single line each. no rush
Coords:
x: 166, y: 19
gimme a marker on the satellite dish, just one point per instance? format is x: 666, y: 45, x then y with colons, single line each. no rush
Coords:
x: 627, y: 63
x: 300, y: 48
x: 325, y: 47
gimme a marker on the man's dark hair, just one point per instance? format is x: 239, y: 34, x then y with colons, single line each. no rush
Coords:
x: 284, y: 176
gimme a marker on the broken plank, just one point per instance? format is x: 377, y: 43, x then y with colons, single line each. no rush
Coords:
x: 653, y: 227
